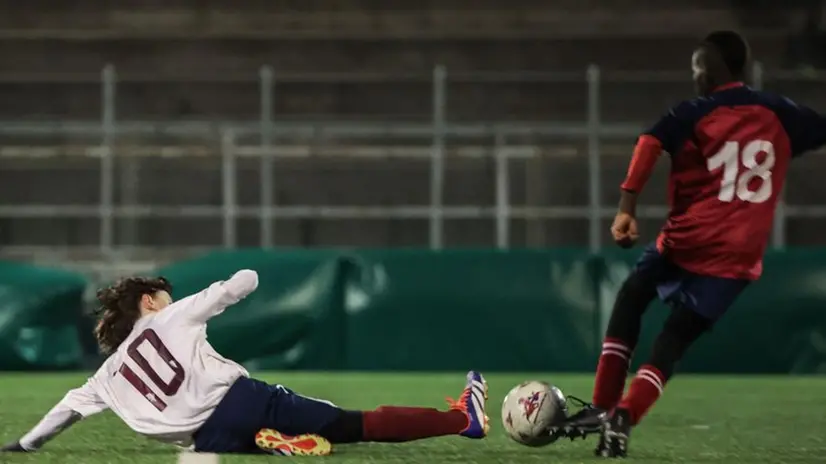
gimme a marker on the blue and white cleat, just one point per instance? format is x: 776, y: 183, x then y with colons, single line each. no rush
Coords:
x: 472, y: 403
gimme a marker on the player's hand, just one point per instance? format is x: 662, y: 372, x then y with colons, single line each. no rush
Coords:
x: 13, y: 448
x: 624, y: 230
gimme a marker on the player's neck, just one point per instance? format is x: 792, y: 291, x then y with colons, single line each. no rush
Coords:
x: 728, y: 85
x: 147, y: 312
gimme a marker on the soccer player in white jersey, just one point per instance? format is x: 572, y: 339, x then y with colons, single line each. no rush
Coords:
x: 165, y: 381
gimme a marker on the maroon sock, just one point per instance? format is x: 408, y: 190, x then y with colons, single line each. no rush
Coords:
x: 397, y: 424
x: 645, y: 389
x: 612, y: 371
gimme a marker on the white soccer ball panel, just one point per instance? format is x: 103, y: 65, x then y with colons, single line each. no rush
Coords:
x: 530, y: 409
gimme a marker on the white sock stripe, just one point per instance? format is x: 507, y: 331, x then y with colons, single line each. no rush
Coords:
x: 652, y: 374
x: 615, y: 353
x: 616, y: 346
x: 651, y: 377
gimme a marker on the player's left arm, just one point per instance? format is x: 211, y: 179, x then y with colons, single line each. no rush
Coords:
x: 77, y: 404
x: 213, y: 300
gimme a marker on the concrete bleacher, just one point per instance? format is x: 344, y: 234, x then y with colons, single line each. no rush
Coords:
x: 353, y: 60
x: 356, y: 18
x: 188, y: 59
x: 171, y: 183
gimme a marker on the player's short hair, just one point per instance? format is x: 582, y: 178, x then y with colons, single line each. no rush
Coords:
x: 120, y: 308
x: 732, y: 47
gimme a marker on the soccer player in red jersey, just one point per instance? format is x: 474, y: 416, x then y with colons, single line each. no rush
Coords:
x: 730, y: 149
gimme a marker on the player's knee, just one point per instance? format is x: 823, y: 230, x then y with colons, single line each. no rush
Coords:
x: 348, y: 427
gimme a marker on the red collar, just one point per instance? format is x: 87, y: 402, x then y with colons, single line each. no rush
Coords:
x: 730, y: 85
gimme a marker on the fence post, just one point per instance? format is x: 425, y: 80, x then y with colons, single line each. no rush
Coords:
x: 757, y: 75
x: 502, y: 193
x: 267, y: 83
x: 437, y: 164
x: 107, y: 162
x: 228, y: 184
x: 594, y: 181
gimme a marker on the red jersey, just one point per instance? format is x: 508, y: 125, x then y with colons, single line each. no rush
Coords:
x: 730, y: 153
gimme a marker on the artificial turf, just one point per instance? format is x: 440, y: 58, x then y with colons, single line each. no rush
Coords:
x: 699, y: 420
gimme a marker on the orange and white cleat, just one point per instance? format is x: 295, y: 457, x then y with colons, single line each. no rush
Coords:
x: 277, y: 443
x: 473, y: 404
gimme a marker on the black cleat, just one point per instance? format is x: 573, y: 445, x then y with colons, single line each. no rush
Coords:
x: 615, y: 432
x: 588, y: 420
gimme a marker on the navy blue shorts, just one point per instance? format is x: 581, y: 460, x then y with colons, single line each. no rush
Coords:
x: 251, y: 405
x: 707, y: 295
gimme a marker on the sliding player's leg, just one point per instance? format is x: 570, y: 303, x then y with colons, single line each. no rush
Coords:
x: 696, y: 305
x: 296, y: 415
x: 292, y: 423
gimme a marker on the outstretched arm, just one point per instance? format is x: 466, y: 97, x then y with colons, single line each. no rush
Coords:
x: 212, y: 300
x: 77, y: 404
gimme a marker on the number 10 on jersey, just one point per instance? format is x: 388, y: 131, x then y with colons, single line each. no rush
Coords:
x: 736, y: 181
x: 167, y: 388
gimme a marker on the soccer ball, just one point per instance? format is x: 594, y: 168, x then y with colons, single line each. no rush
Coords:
x: 530, y: 410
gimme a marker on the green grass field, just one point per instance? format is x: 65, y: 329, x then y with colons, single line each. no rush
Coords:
x: 700, y: 420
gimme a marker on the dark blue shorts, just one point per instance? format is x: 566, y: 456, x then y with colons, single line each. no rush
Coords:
x: 707, y: 295
x: 251, y: 405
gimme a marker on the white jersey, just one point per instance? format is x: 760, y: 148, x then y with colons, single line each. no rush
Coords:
x: 165, y: 379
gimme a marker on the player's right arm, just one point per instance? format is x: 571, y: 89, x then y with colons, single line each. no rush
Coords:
x: 77, y: 404
x: 805, y: 127
x: 668, y: 134
x: 213, y: 300
x: 624, y: 229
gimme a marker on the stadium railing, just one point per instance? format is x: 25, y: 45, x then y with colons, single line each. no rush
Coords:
x: 532, y: 183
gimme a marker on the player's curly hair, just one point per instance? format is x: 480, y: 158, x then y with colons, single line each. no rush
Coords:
x: 120, y: 308
x: 733, y: 49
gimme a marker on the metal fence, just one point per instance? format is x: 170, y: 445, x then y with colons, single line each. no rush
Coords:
x: 590, y: 136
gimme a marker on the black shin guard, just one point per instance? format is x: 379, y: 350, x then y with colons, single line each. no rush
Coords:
x: 682, y: 328
x: 633, y: 299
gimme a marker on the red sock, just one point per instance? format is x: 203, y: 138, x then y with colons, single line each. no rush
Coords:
x: 645, y: 389
x: 612, y: 371
x: 397, y: 424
